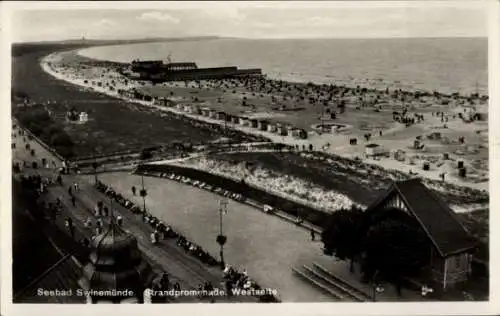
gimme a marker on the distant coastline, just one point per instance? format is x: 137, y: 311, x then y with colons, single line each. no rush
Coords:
x: 446, y: 65
x: 20, y: 48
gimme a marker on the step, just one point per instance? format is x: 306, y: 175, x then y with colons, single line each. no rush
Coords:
x: 339, y: 285
x: 318, y: 284
x: 352, y: 290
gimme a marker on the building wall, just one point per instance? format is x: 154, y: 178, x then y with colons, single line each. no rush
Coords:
x: 458, y: 269
x: 396, y: 201
x: 448, y: 272
x: 437, y: 267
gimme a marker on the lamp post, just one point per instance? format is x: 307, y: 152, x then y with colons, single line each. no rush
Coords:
x: 94, y: 166
x: 374, y: 286
x: 221, y: 239
x: 143, y: 193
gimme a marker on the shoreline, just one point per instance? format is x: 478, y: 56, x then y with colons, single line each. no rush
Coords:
x: 375, y: 82
x: 388, y: 165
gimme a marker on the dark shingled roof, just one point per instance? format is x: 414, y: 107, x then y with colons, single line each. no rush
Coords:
x: 63, y: 276
x: 437, y: 219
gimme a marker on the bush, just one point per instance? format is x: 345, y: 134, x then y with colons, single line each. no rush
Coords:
x: 61, y: 139
x: 146, y: 154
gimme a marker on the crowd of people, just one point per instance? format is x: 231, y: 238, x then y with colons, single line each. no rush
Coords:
x: 233, y: 278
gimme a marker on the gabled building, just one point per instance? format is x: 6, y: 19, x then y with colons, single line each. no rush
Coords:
x: 452, y: 246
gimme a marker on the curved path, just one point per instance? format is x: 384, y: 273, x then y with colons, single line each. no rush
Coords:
x: 265, y: 245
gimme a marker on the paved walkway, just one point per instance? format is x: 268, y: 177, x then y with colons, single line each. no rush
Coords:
x: 265, y: 245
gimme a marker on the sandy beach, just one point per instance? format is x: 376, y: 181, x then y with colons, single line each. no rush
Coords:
x: 393, y: 136
x: 473, y: 152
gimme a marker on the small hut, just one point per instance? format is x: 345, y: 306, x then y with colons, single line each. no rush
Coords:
x: 299, y: 133
x: 282, y: 130
x: 196, y: 109
x: 262, y: 125
x: 205, y: 112
x: 221, y: 115
x: 83, y: 117
x: 481, y: 116
x: 302, y: 133
x: 235, y: 119
x: 462, y: 172
x: 212, y: 114
x: 374, y: 150
x: 451, y: 247
x: 243, y: 121
x: 426, y: 166
x: 400, y: 155
x: 272, y: 128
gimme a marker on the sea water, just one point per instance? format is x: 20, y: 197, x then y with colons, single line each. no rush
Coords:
x: 443, y: 64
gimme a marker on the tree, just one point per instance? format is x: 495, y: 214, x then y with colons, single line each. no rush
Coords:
x: 395, y: 246
x: 343, y: 233
x: 341, y: 106
x: 61, y: 139
x: 145, y: 154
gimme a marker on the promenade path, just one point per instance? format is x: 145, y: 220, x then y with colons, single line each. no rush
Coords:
x: 265, y: 245
x: 167, y: 256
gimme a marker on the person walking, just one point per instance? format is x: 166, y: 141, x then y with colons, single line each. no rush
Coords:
x: 70, y: 191
x: 58, y: 202
x: 88, y: 222
x: 73, y: 200
x: 86, y: 243
x: 97, y: 211
x: 313, y: 235
x: 69, y: 224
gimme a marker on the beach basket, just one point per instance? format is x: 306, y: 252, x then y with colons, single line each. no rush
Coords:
x: 462, y: 172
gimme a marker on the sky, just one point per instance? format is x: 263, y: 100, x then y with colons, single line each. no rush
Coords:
x: 336, y: 19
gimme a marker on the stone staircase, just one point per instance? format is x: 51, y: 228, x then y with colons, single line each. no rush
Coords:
x: 337, y: 287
